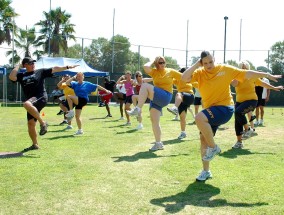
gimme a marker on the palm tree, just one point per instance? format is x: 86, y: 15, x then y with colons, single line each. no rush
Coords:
x: 7, y: 15
x: 57, y: 23
x: 25, y: 42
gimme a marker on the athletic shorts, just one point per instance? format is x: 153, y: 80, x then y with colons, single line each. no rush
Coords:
x: 105, y: 97
x: 218, y: 115
x: 39, y: 104
x: 261, y: 102
x: 81, y: 103
x: 128, y: 99
x: 197, y: 101
x: 187, y: 100
x: 161, y: 99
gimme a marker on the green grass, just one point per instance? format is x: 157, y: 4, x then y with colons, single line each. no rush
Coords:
x: 109, y: 169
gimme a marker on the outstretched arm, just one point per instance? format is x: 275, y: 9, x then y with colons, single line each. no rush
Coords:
x: 256, y: 74
x: 62, y: 68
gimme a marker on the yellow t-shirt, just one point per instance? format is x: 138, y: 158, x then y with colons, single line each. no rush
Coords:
x: 164, y: 78
x: 67, y: 90
x: 246, y: 90
x: 183, y: 86
x: 214, y: 86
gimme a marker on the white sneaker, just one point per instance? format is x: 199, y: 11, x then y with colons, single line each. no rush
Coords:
x: 139, y: 127
x: 256, y: 123
x: 157, y: 146
x: 173, y: 110
x: 79, y: 132
x: 260, y: 122
x: 176, y: 118
x: 68, y: 127
x: 211, y: 152
x: 182, y: 135
x: 134, y: 112
x: 247, y: 134
x: 238, y: 145
x: 204, y: 175
x: 121, y: 118
x: 70, y: 114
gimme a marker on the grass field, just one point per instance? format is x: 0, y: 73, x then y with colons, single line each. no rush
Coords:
x: 109, y: 169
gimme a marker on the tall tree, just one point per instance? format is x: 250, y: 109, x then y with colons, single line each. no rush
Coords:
x: 7, y: 15
x: 57, y: 26
x: 276, y: 58
x: 25, y: 44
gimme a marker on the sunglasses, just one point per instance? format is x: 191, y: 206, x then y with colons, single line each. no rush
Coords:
x: 31, y: 63
x: 162, y: 63
x: 140, y: 76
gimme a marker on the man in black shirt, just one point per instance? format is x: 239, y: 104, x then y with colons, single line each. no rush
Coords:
x: 32, y: 82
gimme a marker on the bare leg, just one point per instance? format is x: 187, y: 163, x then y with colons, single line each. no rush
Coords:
x: 205, y: 129
x: 78, y: 118
x: 182, y: 121
x: 261, y: 112
x: 32, y: 131
x: 107, y: 108
x: 178, y: 99
x: 127, y: 107
x: 31, y: 109
x: 155, y: 119
x: 203, y: 147
x: 146, y: 91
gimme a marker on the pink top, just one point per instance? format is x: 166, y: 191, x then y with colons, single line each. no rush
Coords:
x: 129, y: 88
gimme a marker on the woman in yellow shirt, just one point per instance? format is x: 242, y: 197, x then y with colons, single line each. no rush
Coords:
x: 246, y: 101
x: 160, y: 95
x: 214, y: 86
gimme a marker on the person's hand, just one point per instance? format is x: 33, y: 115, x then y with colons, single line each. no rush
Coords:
x: 273, y: 77
x: 278, y: 88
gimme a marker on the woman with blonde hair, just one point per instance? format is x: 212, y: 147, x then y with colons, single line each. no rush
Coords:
x: 246, y: 101
x: 160, y: 95
x: 82, y: 90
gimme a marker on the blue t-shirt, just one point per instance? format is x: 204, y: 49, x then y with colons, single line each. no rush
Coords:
x: 84, y: 89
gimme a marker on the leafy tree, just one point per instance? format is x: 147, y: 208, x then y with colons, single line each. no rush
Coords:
x: 57, y: 23
x: 276, y: 58
x: 25, y: 42
x: 7, y: 15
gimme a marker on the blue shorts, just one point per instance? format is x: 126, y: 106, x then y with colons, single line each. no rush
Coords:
x: 161, y: 98
x: 218, y: 115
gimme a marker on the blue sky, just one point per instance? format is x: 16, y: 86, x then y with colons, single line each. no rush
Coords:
x: 162, y: 23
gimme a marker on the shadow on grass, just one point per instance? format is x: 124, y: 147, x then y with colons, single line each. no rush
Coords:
x: 127, y: 131
x: 60, y: 137
x: 198, y: 194
x: 142, y: 155
x: 99, y: 118
x: 5, y: 155
x: 234, y: 153
x: 174, y: 141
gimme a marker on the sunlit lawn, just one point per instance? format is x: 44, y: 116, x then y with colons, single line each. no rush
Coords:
x: 109, y: 169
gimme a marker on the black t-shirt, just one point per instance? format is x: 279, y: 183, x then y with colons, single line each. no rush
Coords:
x: 33, y: 83
x: 110, y: 85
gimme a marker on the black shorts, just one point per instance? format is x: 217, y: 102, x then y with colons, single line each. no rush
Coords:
x: 81, y: 103
x: 128, y: 99
x: 187, y: 100
x: 261, y: 102
x: 39, y: 104
x: 197, y: 101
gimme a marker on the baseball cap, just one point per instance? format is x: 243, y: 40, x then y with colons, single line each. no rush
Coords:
x: 28, y: 60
